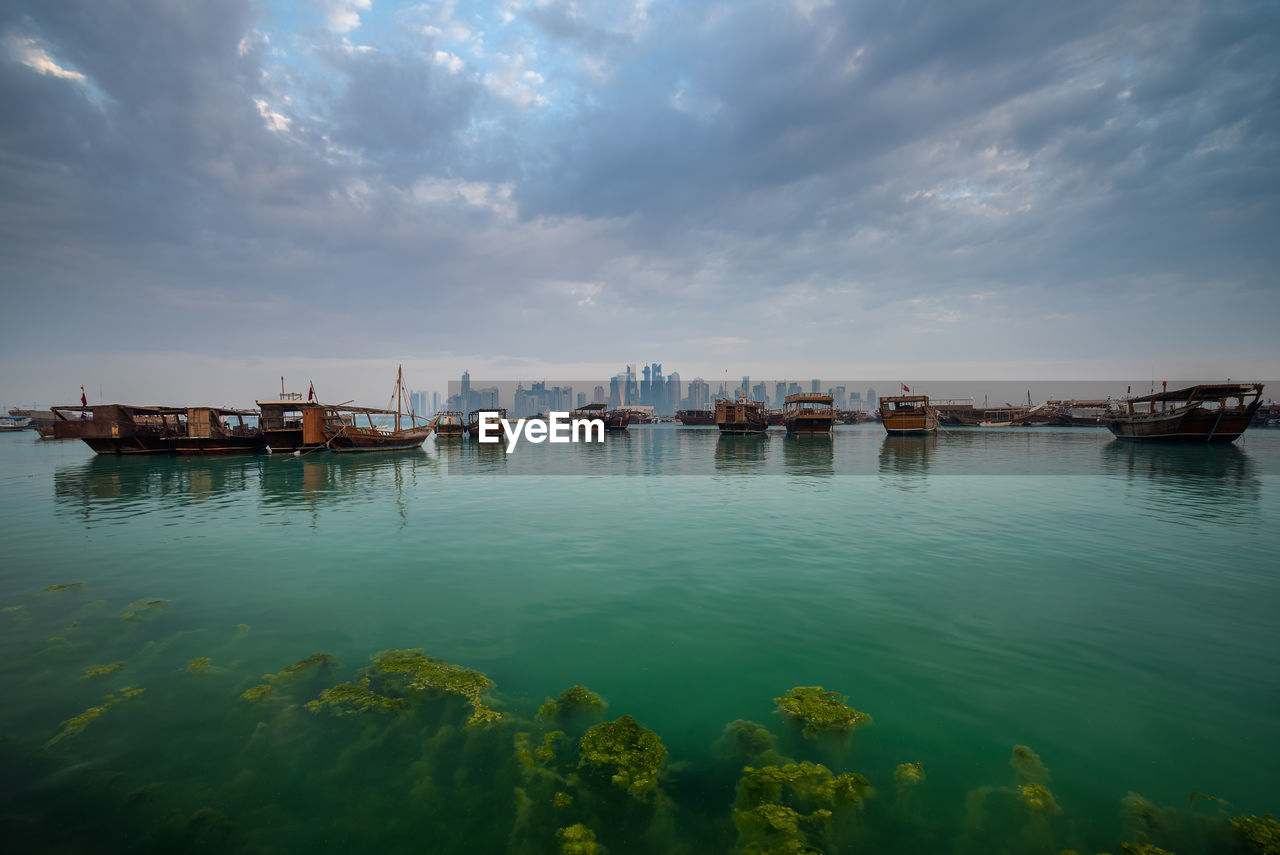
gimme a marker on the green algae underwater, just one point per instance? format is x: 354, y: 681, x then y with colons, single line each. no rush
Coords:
x: 145, y: 712
x: 405, y: 752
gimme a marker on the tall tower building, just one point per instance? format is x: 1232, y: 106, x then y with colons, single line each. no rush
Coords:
x: 815, y: 386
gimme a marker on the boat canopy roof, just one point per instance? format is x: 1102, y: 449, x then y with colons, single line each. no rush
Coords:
x: 810, y: 398
x: 1203, y: 392
x: 904, y: 399
x: 591, y: 408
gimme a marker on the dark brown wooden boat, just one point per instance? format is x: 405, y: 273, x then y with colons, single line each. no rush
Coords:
x: 806, y: 412
x: 908, y: 414
x: 342, y: 433
x: 473, y: 420
x: 618, y: 419
x: 281, y: 420
x: 696, y: 418
x: 1202, y: 413
x: 449, y: 423
x: 122, y: 428
x: 741, y: 416
x: 209, y: 430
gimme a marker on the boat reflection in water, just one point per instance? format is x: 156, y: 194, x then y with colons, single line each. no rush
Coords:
x: 1186, y: 483
x: 741, y: 453
x: 111, y: 488
x: 470, y: 458
x: 904, y: 460
x: 811, y: 454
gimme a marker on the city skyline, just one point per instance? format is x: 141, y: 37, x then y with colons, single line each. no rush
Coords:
x: 215, y: 194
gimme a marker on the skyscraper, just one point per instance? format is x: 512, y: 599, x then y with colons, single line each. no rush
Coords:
x: 780, y: 393
x: 815, y: 386
x: 872, y: 400
x: 699, y: 394
x: 597, y: 395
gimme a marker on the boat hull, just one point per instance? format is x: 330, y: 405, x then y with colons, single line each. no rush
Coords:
x: 809, y: 424
x: 220, y: 445
x: 1200, y: 426
x: 353, y: 440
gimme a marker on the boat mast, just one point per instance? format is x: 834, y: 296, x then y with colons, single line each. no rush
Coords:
x: 399, y: 394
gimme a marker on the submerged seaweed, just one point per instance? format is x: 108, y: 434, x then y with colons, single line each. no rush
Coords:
x: 819, y: 710
x: 1027, y: 764
x: 70, y: 586
x: 575, y: 700
x: 101, y: 670
x: 257, y: 693
x: 908, y: 775
x: 577, y: 840
x: 630, y: 754
x: 1261, y: 834
x: 200, y: 665
x: 425, y: 673
x: 315, y: 660
x: 349, y: 698
x: 789, y: 808
x: 78, y: 723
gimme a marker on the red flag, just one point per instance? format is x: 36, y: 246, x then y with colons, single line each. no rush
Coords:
x: 311, y: 393
x: 84, y: 402
x: 905, y: 388
x: 1164, y: 385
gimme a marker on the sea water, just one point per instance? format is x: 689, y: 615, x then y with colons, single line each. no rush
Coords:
x: 1110, y: 606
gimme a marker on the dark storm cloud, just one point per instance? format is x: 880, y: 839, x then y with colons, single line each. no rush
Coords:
x: 590, y: 167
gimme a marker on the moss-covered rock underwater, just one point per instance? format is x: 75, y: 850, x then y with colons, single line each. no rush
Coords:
x: 408, y: 747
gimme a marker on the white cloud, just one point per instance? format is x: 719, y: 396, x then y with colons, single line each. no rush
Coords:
x: 277, y: 122
x: 450, y: 61
x: 513, y: 81
x: 29, y: 52
x: 343, y: 16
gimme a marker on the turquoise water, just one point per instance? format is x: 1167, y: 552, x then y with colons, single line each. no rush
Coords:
x: 1111, y: 606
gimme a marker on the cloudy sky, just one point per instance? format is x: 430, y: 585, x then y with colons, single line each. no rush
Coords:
x: 197, y: 197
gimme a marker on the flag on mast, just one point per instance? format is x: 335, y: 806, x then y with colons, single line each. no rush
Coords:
x: 311, y: 393
x: 84, y: 404
x: 905, y: 388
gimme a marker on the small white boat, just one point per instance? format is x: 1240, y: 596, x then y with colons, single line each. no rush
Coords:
x: 12, y: 423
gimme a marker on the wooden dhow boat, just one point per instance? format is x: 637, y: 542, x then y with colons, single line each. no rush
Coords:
x: 130, y: 429
x: 696, y: 418
x: 806, y: 412
x: 1203, y: 413
x: 741, y: 416
x: 281, y: 419
x: 473, y: 420
x: 908, y: 414
x: 210, y: 430
x: 342, y: 433
x: 449, y: 423
x: 618, y: 419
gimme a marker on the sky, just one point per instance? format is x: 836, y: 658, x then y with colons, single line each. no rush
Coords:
x: 198, y: 198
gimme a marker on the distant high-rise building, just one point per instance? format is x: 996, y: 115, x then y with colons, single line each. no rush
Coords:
x: 617, y: 387
x: 839, y: 394
x: 872, y: 401
x: 815, y: 386
x: 464, y: 391
x: 780, y: 393
x: 435, y: 403
x: 582, y: 398
x: 793, y: 388
x: 758, y: 393
x: 597, y: 395
x: 699, y: 394
x: 672, y: 395
x: 855, y: 401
